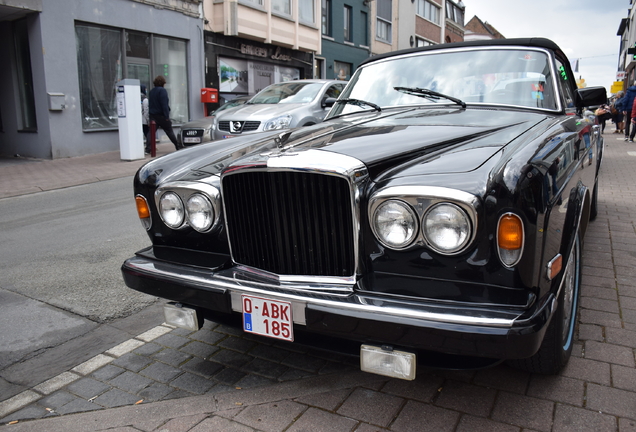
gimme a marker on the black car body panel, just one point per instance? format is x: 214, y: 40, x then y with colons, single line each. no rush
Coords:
x: 301, y: 216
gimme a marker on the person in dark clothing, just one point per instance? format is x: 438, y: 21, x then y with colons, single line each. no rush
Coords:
x: 159, y: 109
x: 626, y: 107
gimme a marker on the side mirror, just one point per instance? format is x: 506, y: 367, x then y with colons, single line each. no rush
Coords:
x: 328, y: 102
x: 591, y: 96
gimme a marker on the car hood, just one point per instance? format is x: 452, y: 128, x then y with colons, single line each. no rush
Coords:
x: 260, y: 112
x: 397, y: 142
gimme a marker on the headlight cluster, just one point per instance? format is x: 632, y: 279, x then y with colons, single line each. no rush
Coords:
x: 445, y: 227
x: 281, y: 122
x: 197, y: 212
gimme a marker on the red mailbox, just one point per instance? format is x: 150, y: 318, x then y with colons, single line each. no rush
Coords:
x: 209, y: 95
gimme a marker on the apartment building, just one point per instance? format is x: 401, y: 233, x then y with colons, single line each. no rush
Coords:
x: 400, y: 24
x: 250, y: 44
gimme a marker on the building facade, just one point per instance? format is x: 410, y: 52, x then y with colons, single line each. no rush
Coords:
x: 250, y: 44
x: 401, y: 24
x: 66, y: 57
x: 627, y: 50
x: 345, y: 38
x: 477, y: 29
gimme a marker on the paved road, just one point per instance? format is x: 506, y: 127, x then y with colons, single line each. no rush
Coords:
x: 166, y: 379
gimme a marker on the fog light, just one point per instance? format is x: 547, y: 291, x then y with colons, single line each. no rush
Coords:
x: 388, y: 362
x: 180, y: 316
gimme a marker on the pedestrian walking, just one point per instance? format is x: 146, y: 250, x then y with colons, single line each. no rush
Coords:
x: 626, y: 107
x: 617, y: 114
x: 145, y: 118
x: 603, y: 114
x: 159, y: 108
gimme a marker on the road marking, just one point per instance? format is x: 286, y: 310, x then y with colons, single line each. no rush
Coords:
x: 56, y: 383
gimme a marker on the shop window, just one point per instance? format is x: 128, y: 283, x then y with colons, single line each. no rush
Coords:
x: 170, y: 61
x: 306, y: 11
x: 26, y: 115
x: 282, y: 6
x: 99, y: 62
x: 102, y: 62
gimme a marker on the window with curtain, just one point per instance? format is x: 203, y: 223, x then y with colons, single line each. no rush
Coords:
x: 348, y: 17
x: 384, y: 20
x: 282, y: 6
x: 326, y: 17
x: 99, y: 63
x: 428, y: 10
x: 26, y: 115
x: 306, y: 11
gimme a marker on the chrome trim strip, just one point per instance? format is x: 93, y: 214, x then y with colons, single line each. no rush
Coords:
x: 226, y: 282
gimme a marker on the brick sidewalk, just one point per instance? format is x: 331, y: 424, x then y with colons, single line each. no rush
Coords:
x: 218, y: 379
x: 21, y: 176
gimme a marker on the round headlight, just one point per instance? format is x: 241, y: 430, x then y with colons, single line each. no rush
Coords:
x: 200, y: 212
x: 395, y: 224
x: 446, y: 228
x: 171, y: 209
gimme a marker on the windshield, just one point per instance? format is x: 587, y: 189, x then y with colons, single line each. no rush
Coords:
x: 287, y: 92
x: 489, y: 76
x: 230, y: 104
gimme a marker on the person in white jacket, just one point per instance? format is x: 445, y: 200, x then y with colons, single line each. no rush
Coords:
x: 145, y: 118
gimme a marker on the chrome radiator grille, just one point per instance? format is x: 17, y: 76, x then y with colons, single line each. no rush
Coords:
x: 290, y: 223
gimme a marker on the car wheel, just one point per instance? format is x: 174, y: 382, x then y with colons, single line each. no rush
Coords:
x: 556, y: 347
x: 594, y: 206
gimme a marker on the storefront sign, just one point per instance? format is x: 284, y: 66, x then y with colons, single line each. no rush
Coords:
x: 252, y: 50
x: 264, y: 52
x: 620, y: 75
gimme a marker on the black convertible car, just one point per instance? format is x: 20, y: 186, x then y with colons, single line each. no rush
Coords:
x: 439, y: 210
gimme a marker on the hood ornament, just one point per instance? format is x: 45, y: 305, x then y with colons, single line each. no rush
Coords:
x: 281, y: 139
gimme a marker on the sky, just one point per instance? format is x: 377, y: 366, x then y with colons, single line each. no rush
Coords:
x: 584, y: 29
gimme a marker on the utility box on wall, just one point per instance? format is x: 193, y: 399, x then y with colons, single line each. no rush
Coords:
x: 57, y: 101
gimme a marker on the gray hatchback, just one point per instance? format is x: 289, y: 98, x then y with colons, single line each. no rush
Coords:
x: 280, y: 106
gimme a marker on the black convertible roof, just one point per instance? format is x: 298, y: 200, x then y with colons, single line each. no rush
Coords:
x: 533, y: 42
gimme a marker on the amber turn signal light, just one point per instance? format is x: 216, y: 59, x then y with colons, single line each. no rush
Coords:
x: 142, y: 207
x: 510, y: 232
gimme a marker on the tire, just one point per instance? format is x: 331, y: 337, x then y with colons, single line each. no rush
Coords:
x: 594, y: 205
x: 556, y: 348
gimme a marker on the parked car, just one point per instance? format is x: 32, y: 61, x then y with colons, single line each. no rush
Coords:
x: 425, y: 218
x: 200, y: 131
x: 280, y: 106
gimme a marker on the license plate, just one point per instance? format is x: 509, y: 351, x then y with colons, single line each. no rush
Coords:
x: 192, y: 140
x: 267, y: 317
x: 228, y: 136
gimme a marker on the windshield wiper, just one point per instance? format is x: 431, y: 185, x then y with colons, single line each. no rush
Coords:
x: 360, y: 103
x: 429, y: 94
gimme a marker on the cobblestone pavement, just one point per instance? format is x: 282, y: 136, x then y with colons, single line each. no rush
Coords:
x: 219, y: 379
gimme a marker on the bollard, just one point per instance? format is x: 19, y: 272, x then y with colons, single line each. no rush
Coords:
x: 153, y: 138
